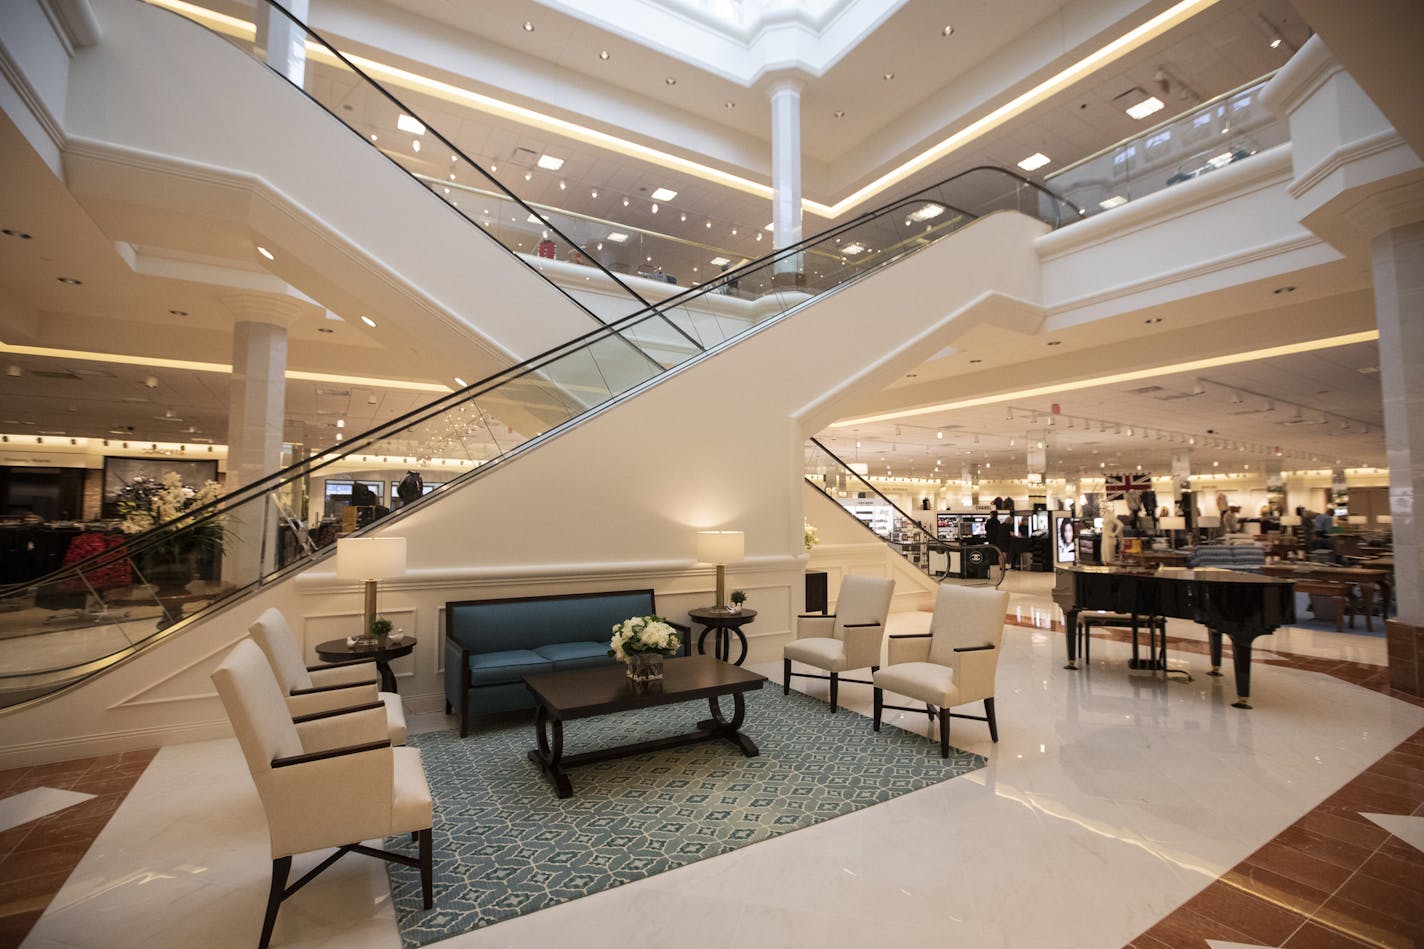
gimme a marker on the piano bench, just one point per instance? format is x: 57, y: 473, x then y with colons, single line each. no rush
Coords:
x: 1087, y: 620
x: 1340, y: 597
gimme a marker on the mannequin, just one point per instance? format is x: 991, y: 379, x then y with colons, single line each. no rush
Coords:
x: 1112, y: 538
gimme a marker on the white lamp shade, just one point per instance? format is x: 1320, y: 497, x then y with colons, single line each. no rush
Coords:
x: 370, y: 558
x: 1290, y: 520
x: 1359, y: 518
x: 1209, y: 520
x: 1172, y: 523
x: 720, y: 546
x: 1385, y: 519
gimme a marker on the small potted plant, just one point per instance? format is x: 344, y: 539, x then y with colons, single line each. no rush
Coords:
x: 380, y: 629
x: 738, y: 597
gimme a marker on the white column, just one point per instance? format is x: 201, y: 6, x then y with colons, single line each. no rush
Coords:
x: 281, y: 42
x: 786, y: 176
x: 1397, y: 258
x: 256, y: 413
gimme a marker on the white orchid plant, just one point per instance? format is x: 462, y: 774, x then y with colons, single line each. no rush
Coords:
x: 643, y: 634
x: 812, y: 538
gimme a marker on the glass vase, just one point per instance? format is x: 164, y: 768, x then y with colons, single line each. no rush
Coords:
x: 645, y: 668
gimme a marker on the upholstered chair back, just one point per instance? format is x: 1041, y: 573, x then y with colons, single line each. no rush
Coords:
x: 966, y: 616
x: 862, y: 600
x: 257, y: 709
x: 274, y: 634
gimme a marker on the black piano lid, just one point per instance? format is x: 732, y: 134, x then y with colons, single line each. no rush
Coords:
x: 1201, y: 574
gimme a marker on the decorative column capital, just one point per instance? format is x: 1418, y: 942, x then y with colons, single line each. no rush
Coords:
x: 785, y: 84
x: 262, y: 308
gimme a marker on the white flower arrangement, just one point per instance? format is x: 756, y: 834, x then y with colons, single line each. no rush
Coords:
x: 812, y: 538
x: 642, y: 634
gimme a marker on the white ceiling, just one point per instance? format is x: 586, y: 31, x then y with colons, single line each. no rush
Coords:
x: 1216, y: 51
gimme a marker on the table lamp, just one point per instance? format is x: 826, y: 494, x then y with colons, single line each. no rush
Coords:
x: 1290, y: 523
x: 370, y: 559
x: 1358, y: 521
x: 1210, y: 521
x: 1172, y: 525
x: 721, y: 548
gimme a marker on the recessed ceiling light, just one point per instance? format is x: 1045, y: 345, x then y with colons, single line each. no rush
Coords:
x: 265, y: 252
x: 684, y: 216
x: 888, y: 76
x: 11, y: 232
x: 729, y: 105
x: 325, y: 329
x: 671, y: 80
x: 1276, y: 42
x: 709, y: 225
x: 70, y: 281
x: 603, y: 54
x: 770, y: 227
x: 664, y: 194
x: 853, y: 248
x: 375, y: 137
x: 415, y: 145
x: 341, y: 423
x: 407, y: 123
x: 655, y: 207
x: 839, y: 113
x: 528, y: 175
x: 179, y: 312
x: 947, y: 31
x: 1112, y: 202
x: 550, y: 163
x: 528, y: 26
x: 1138, y: 107
x: 625, y: 202
x: 1286, y: 289
x: 368, y: 321
x: 617, y: 237
x: 563, y: 185
x: 1035, y: 161
x: 460, y: 382
x: 719, y: 261
x: 593, y: 193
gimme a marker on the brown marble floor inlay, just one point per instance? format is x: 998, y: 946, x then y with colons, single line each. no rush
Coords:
x: 37, y: 857
x: 1332, y: 879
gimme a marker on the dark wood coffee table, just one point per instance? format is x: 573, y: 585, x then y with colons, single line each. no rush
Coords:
x: 583, y: 693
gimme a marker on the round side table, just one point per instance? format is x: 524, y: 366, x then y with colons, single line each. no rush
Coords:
x: 338, y: 650
x: 723, y: 626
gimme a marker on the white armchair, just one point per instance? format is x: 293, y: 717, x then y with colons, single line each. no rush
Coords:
x: 954, y: 663
x: 322, y: 688
x: 332, y: 780
x: 849, y: 638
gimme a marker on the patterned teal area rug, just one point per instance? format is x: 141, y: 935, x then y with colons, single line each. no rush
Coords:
x: 505, y: 845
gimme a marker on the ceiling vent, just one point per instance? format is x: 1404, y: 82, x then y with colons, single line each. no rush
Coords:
x: 524, y: 156
x: 55, y: 374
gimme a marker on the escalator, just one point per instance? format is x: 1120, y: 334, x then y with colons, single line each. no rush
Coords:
x: 939, y: 559
x: 98, y: 612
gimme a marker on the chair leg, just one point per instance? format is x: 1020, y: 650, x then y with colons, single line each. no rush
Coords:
x: 786, y: 677
x: 427, y: 867
x: 879, y: 705
x: 280, y: 868
x: 993, y: 722
x: 943, y: 734
x: 447, y: 707
x: 835, y: 685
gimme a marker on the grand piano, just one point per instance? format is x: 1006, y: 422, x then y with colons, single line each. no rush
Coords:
x: 1240, y: 605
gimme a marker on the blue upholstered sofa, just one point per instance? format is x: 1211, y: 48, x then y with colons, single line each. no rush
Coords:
x: 490, y: 645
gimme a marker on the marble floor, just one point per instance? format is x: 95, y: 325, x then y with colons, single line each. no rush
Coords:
x: 1117, y: 809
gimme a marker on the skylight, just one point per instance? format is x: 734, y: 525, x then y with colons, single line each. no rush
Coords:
x: 407, y: 124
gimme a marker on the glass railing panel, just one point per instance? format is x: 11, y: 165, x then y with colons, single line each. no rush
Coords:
x: 386, y: 121
x: 1227, y: 129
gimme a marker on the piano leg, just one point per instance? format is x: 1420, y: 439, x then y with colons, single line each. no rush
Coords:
x: 1070, y: 634
x: 1241, y: 659
x: 1213, y: 638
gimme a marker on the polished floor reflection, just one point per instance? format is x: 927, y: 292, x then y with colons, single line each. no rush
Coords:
x: 1117, y: 808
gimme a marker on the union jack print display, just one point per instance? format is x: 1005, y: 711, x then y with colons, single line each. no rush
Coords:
x: 1116, y: 486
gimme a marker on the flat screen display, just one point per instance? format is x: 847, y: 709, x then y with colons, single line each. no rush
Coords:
x: 1065, y: 539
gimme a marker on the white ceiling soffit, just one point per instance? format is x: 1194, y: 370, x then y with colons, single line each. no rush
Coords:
x: 740, y: 40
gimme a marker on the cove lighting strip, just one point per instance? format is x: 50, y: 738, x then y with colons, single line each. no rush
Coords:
x: 1191, y: 366
x: 1098, y: 59
x: 225, y: 368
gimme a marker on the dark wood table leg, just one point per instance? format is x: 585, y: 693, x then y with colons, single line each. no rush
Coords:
x: 549, y: 755
x: 1367, y: 603
x: 701, y: 641
x: 723, y: 728
x: 1070, y: 634
x: 1213, y: 639
x: 388, y: 678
